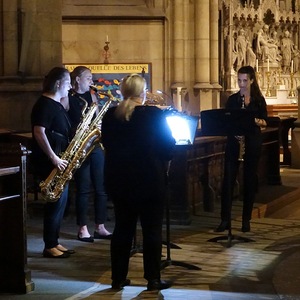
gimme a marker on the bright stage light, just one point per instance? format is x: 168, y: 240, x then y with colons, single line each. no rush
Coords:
x: 183, y: 127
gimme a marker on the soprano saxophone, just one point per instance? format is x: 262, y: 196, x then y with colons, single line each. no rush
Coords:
x: 87, y: 135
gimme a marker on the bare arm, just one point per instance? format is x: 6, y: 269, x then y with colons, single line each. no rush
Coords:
x: 42, y: 140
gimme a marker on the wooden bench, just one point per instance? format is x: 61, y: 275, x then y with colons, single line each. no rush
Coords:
x: 14, y: 274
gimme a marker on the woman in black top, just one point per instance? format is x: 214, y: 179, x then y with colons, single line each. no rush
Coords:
x: 89, y: 177
x: 249, y: 97
x: 51, y: 131
x: 138, y: 144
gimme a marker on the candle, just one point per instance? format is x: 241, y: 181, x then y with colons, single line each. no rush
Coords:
x: 107, y: 38
x: 268, y: 61
x: 178, y: 99
x: 292, y: 67
x: 257, y: 65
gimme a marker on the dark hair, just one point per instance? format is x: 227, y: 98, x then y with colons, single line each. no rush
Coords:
x: 255, y: 91
x: 77, y: 72
x: 54, y: 75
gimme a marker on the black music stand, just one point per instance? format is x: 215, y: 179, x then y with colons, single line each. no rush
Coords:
x: 225, y: 122
x: 136, y: 247
x: 168, y: 261
x: 183, y: 129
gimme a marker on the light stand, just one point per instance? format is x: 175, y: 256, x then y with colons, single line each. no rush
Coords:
x: 183, y: 129
x: 136, y: 247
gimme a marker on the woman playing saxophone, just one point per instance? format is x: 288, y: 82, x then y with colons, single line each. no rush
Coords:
x: 51, y: 133
x: 249, y: 97
x: 89, y: 177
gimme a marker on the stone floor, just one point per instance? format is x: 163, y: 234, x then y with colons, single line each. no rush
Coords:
x: 266, y: 267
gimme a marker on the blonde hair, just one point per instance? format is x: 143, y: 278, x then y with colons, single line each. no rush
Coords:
x: 132, y: 86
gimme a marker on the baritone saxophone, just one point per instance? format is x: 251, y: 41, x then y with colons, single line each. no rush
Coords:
x: 87, y: 136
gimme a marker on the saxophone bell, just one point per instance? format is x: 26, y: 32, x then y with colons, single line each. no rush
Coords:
x: 109, y: 95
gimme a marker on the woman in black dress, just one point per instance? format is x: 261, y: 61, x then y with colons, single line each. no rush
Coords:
x: 249, y: 97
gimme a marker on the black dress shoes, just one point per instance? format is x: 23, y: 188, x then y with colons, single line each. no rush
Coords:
x: 69, y: 251
x: 154, y: 285
x: 85, y: 239
x: 97, y: 235
x: 245, y: 226
x: 224, y: 225
x: 48, y: 254
x: 118, y: 285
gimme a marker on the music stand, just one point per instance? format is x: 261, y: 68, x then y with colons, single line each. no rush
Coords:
x: 226, y: 122
x: 183, y: 129
x: 136, y: 247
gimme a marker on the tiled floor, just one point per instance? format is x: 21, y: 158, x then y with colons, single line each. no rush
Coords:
x: 266, y: 268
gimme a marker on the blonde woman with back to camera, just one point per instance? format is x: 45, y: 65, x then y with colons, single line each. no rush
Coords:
x: 138, y: 145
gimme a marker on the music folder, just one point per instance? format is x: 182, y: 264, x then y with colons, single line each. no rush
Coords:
x: 223, y: 122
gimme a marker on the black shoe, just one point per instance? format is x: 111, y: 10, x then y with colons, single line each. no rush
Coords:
x: 85, y: 239
x: 245, y: 226
x: 69, y: 251
x: 118, y: 285
x: 97, y: 235
x: 154, y: 285
x: 48, y: 254
x: 224, y: 225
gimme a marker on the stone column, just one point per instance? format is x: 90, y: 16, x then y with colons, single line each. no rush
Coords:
x: 45, y: 36
x: 32, y: 45
x: 178, y: 53
x: 202, y: 54
x: 10, y: 36
x: 32, y: 37
x: 214, y: 53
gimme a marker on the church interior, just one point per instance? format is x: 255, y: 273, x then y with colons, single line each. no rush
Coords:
x: 189, y: 52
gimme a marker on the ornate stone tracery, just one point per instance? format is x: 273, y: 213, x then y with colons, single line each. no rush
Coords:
x: 268, y: 29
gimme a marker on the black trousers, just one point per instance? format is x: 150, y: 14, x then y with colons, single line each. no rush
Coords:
x: 131, y: 206
x: 250, y: 181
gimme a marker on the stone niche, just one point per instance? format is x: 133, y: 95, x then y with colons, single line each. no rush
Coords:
x: 265, y: 35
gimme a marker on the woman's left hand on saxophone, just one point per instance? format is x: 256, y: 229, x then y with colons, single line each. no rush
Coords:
x: 59, y: 163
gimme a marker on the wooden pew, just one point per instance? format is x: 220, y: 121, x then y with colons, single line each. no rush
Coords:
x: 196, y: 174
x: 14, y: 274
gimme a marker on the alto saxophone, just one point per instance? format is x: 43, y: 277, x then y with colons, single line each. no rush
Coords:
x: 241, y: 139
x: 86, y: 137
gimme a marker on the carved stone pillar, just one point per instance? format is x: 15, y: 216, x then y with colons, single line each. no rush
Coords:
x: 202, y: 54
